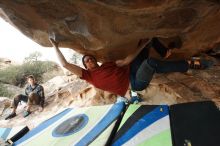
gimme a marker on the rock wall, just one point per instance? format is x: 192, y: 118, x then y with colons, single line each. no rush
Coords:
x: 111, y: 29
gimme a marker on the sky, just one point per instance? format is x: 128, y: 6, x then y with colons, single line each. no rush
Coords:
x: 16, y: 46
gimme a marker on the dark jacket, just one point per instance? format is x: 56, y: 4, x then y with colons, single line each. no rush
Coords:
x: 38, y: 89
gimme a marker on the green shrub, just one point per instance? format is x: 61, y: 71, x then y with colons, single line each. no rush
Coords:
x: 4, y: 92
x: 49, y: 75
x: 16, y: 75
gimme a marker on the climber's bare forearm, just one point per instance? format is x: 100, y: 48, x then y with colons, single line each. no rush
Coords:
x: 60, y: 57
x: 74, y: 69
x: 71, y: 67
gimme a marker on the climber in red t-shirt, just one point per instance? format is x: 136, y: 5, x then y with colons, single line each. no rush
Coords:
x: 136, y: 69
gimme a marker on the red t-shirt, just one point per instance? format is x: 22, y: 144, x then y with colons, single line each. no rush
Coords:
x: 109, y: 77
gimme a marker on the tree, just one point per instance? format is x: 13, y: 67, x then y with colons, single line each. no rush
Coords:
x: 33, y: 57
x: 74, y: 58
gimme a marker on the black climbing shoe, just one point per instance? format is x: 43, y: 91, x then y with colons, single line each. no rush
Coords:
x: 12, y: 115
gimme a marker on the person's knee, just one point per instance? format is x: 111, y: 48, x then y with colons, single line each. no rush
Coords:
x: 17, y: 97
x: 32, y: 98
x: 154, y: 40
x: 145, y: 72
x: 16, y: 100
x: 152, y: 62
x: 32, y: 95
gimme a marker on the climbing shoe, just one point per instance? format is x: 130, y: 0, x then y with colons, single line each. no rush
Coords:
x: 26, y: 113
x: 135, y: 99
x: 199, y: 63
x: 12, y: 115
x: 121, y: 99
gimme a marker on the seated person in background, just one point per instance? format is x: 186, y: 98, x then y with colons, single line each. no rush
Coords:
x: 135, y: 71
x: 34, y: 94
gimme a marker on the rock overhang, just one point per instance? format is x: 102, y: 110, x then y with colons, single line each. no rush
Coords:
x: 111, y: 30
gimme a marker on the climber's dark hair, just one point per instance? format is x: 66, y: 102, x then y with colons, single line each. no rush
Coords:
x: 83, y: 61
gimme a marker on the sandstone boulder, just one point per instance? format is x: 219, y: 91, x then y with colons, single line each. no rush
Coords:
x: 111, y: 29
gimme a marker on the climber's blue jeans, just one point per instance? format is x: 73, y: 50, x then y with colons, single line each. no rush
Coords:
x: 142, y: 68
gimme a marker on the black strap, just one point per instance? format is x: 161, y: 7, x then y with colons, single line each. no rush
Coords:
x: 34, y: 87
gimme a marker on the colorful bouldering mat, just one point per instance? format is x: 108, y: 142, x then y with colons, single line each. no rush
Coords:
x: 78, y: 126
x: 144, y: 125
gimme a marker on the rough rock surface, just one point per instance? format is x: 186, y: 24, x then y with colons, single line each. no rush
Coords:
x: 111, y: 29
